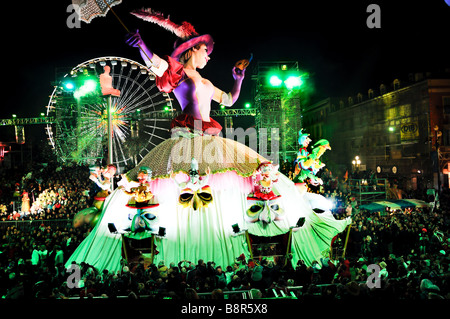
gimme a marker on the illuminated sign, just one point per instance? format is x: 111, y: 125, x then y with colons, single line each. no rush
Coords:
x: 409, y: 131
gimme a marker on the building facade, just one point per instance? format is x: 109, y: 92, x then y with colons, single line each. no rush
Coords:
x: 400, y: 131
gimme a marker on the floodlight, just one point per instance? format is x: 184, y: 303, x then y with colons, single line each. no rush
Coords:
x: 162, y: 232
x: 112, y: 228
x: 68, y: 85
x: 275, y: 81
x: 293, y: 82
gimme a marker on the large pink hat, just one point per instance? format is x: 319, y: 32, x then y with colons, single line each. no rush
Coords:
x: 187, y: 36
x: 182, y: 46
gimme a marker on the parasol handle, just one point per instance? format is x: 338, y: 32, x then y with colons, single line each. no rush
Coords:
x: 125, y: 27
x: 121, y: 22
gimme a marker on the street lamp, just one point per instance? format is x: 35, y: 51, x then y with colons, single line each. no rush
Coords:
x: 356, y: 162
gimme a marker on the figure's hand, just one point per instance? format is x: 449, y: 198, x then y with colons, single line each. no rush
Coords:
x: 134, y: 39
x: 172, y: 174
x: 238, y: 74
x: 316, y: 181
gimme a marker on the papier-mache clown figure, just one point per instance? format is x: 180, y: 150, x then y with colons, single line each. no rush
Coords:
x: 195, y: 192
x: 318, y: 150
x: 309, y: 164
x: 103, y: 179
x: 141, y: 194
x: 143, y: 201
x: 262, y: 202
x: 263, y: 179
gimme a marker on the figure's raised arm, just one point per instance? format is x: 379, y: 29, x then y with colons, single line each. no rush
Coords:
x: 154, y: 62
x: 228, y: 99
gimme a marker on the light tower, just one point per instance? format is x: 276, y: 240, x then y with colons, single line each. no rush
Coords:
x: 276, y: 97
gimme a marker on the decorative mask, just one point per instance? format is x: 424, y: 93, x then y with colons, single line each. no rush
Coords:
x: 144, y: 219
x: 195, y: 199
x: 266, y: 211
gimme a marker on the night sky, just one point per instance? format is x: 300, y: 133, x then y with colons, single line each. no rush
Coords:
x: 330, y: 40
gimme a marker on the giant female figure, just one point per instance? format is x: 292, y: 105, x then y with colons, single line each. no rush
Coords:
x: 200, y: 221
x: 179, y: 73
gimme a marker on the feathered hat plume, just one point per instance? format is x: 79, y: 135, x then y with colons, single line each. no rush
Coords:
x: 183, y: 31
x: 187, y: 36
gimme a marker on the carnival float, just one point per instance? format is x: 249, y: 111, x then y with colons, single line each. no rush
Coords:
x: 198, y: 195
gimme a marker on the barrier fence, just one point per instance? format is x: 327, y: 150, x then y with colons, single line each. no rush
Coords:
x: 290, y: 292
x: 27, y: 225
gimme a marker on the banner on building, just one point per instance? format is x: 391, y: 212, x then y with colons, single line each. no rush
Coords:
x: 409, y: 131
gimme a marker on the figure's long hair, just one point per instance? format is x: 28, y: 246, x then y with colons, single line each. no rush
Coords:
x: 188, y: 53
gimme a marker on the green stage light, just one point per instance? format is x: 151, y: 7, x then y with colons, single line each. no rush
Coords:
x: 275, y: 81
x: 293, y: 82
x: 247, y: 105
x: 89, y: 86
x: 68, y: 85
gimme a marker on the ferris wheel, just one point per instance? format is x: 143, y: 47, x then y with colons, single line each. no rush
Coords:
x: 141, y: 114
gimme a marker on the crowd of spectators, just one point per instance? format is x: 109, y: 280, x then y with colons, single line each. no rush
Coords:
x: 409, y: 249
x: 46, y: 192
